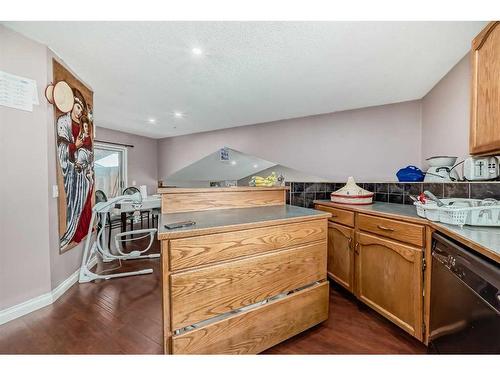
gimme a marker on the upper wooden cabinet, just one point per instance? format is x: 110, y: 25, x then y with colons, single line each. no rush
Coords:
x: 485, y: 94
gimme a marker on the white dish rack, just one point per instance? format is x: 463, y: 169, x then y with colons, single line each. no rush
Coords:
x: 462, y: 212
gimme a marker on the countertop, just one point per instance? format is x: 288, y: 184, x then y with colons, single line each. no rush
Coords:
x: 218, y: 221
x: 485, y: 240
x: 478, y: 238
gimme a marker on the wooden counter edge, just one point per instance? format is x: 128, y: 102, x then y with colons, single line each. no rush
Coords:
x: 427, y: 283
x: 166, y: 299
x: 235, y: 227
x: 216, y: 189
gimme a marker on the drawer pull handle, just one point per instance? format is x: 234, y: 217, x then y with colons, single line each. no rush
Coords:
x: 385, y: 228
x: 334, y: 215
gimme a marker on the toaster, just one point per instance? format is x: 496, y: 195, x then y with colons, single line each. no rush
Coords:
x: 481, y: 168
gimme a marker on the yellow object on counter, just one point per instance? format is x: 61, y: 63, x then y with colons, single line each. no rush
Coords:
x: 268, y: 181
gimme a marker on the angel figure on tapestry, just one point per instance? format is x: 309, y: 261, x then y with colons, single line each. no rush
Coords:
x: 75, y: 152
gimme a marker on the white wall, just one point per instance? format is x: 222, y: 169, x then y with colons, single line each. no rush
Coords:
x: 371, y: 143
x: 30, y: 261
x: 24, y: 152
x: 446, y: 114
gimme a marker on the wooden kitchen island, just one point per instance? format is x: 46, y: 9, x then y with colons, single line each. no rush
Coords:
x: 249, y: 274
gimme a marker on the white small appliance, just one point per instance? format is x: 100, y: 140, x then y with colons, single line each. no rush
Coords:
x: 481, y: 168
x: 441, y: 169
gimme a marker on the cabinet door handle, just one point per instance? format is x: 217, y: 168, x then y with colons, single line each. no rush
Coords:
x: 385, y: 228
x: 349, y: 243
x: 356, y: 248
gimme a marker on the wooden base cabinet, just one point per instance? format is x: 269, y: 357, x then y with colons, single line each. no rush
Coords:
x: 380, y: 260
x: 389, y: 280
x: 340, y: 263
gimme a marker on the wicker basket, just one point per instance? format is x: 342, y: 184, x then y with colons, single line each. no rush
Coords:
x: 352, y: 194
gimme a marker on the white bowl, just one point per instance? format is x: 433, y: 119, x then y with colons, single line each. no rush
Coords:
x: 442, y: 161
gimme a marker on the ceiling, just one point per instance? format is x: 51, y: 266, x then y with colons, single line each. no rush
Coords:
x: 211, y: 168
x: 248, y: 72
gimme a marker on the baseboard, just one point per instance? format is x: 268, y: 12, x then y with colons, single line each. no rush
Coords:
x: 43, y: 300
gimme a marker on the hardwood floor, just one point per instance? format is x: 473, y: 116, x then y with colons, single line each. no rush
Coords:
x: 123, y: 316
x: 351, y: 328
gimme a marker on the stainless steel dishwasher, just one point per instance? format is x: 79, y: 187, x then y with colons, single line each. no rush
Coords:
x: 465, y: 300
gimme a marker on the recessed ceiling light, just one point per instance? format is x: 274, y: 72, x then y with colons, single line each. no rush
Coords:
x: 178, y: 114
x: 197, y: 51
x: 152, y: 120
x: 233, y: 162
x: 256, y: 166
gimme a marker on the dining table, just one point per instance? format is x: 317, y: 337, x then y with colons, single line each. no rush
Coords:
x: 149, y: 203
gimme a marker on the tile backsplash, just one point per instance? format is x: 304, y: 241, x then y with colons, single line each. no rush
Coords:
x: 304, y: 193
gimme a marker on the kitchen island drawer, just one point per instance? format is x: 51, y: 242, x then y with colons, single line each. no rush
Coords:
x: 204, y: 293
x: 201, y: 250
x: 394, y: 229
x: 258, y: 329
x: 338, y: 216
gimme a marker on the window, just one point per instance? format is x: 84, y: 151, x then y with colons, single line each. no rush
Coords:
x: 110, y: 167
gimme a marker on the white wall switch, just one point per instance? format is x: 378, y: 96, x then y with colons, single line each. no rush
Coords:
x: 134, y: 183
x: 55, y: 191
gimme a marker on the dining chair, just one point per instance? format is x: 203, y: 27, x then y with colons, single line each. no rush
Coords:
x: 155, y: 216
x: 142, y: 213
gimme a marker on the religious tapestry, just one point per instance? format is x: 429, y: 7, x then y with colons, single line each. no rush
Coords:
x: 73, y: 103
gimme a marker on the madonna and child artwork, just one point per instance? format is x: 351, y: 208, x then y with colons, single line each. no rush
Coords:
x: 73, y: 103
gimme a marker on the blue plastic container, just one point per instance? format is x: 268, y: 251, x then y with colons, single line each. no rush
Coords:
x: 410, y: 174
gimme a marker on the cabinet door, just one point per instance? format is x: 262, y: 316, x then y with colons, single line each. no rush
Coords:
x: 340, y: 255
x: 389, y: 280
x: 485, y: 94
